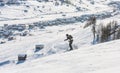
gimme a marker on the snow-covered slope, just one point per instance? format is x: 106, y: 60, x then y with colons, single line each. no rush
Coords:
x: 85, y: 58
x: 35, y: 11
x: 31, y: 9
x: 102, y: 58
x: 54, y: 58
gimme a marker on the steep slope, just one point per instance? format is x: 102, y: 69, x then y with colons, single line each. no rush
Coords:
x: 86, y: 57
x: 52, y: 38
x: 95, y: 59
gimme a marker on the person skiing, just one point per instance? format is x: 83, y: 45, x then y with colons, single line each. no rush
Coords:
x: 70, y: 40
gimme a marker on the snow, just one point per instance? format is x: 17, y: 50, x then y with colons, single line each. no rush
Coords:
x: 44, y: 11
x: 55, y: 57
x: 95, y: 59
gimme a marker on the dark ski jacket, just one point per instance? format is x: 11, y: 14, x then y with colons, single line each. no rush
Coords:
x: 70, y: 38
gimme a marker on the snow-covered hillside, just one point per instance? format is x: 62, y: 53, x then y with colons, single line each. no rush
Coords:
x: 102, y: 58
x: 32, y: 23
x: 32, y: 9
x: 35, y: 11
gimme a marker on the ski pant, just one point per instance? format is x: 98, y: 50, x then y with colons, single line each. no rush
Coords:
x: 70, y: 44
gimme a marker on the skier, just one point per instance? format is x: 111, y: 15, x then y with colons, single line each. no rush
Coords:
x: 70, y: 40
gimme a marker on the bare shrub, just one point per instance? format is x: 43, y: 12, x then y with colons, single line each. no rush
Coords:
x: 109, y: 32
